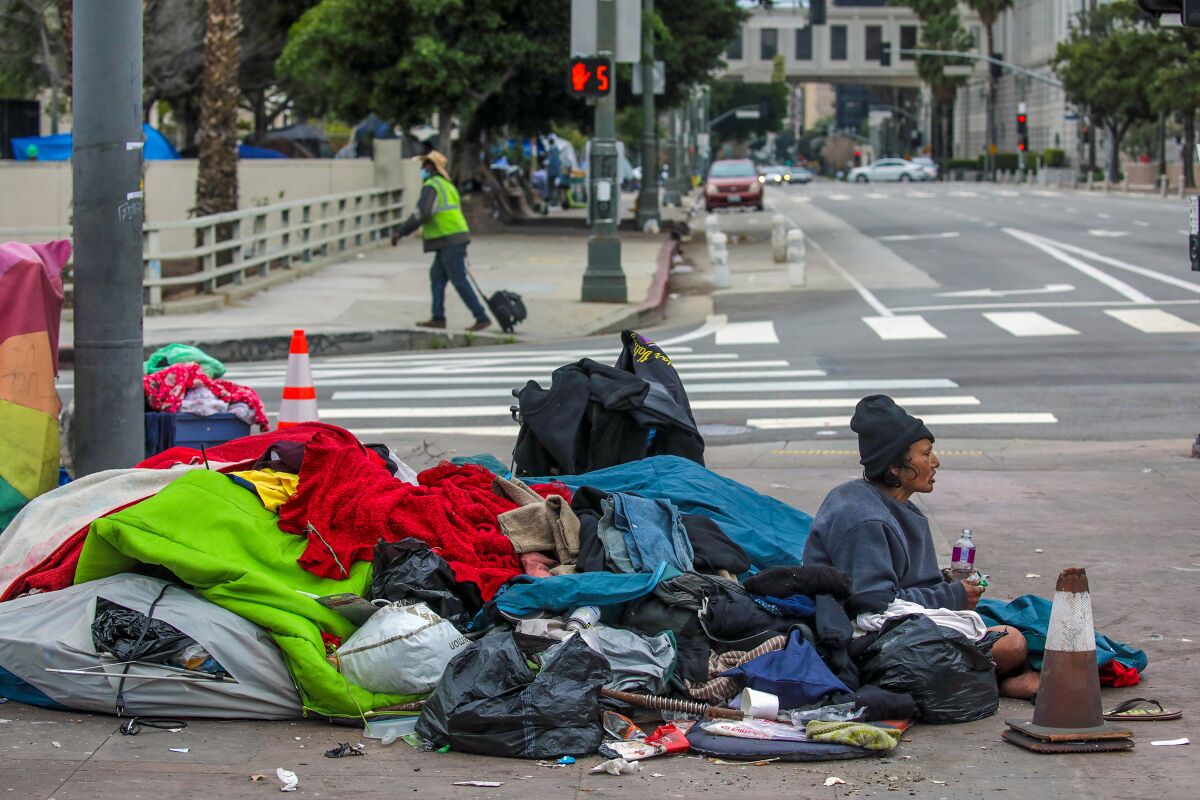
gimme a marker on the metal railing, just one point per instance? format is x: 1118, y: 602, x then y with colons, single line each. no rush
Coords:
x: 221, y: 249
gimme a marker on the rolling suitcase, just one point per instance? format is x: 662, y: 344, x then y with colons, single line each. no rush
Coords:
x: 507, y: 307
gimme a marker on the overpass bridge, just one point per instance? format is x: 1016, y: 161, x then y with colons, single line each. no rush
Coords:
x: 844, y: 50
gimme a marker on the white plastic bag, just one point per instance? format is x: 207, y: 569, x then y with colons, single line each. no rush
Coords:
x: 400, y: 650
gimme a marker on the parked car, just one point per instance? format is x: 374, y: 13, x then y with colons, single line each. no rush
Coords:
x: 889, y: 169
x: 733, y: 182
x: 929, y: 165
x: 774, y: 174
x: 801, y: 175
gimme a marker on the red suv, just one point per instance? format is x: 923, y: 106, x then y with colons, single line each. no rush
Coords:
x: 733, y: 183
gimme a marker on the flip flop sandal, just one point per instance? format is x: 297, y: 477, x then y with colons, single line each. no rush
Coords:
x: 1129, y: 710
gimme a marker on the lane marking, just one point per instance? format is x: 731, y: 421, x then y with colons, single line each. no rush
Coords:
x: 696, y: 388
x: 1153, y: 320
x: 1026, y: 418
x: 1007, y: 193
x: 734, y: 333
x: 1049, y: 288
x: 520, y: 380
x: 1028, y: 323
x: 1102, y: 215
x: 711, y: 325
x: 466, y: 430
x: 426, y: 412
x: 896, y: 328
x: 959, y: 193
x: 540, y: 369
x: 1117, y: 285
x: 1141, y: 224
x: 1045, y: 193
x: 916, y: 237
x: 1113, y: 262
x: 1059, y: 304
x: 838, y: 196
x: 921, y: 195
x: 1103, y: 233
x: 335, y: 363
x: 876, y: 195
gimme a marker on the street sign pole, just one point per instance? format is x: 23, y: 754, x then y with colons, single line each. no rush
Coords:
x: 604, y: 280
x: 108, y: 208
x: 648, y: 196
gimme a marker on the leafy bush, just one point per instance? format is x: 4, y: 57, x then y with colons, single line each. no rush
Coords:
x: 964, y: 163
x: 1055, y: 157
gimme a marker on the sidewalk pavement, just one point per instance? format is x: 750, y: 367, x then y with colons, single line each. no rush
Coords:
x: 371, y: 302
x: 1124, y: 511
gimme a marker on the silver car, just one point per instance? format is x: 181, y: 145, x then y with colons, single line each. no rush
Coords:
x: 888, y: 169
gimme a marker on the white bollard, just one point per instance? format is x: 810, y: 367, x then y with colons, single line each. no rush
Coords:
x: 779, y: 238
x: 796, y: 257
x: 718, y: 250
x: 711, y: 226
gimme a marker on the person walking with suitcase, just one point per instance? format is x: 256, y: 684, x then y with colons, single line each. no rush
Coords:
x: 444, y: 229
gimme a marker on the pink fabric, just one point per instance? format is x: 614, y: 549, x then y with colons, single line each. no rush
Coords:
x: 538, y: 564
x: 166, y: 389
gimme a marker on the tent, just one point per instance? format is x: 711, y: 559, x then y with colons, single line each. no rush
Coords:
x: 53, y: 630
x: 58, y: 147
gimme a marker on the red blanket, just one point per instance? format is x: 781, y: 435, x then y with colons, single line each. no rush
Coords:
x: 352, y: 502
x: 248, y: 449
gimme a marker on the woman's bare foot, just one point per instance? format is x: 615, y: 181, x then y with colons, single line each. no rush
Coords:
x: 1023, y: 686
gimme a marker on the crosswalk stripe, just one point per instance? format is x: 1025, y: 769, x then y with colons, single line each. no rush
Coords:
x: 501, y: 410
x: 1152, y: 320
x: 512, y: 380
x: 468, y: 430
x: 909, y: 326
x: 482, y: 369
x: 1028, y: 323
x: 1036, y: 418
x: 695, y: 388
x: 747, y: 333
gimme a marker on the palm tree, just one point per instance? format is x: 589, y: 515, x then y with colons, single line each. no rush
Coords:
x: 217, y: 180
x: 943, y: 32
x: 989, y: 11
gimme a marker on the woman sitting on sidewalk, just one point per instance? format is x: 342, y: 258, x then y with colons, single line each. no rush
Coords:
x: 870, y: 530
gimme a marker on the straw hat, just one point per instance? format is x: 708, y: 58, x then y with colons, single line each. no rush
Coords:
x: 439, y: 162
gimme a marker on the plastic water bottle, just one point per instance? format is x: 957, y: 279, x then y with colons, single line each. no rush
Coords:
x: 962, y: 558
x: 583, y: 617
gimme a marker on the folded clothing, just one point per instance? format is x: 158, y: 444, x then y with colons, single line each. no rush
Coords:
x: 166, y: 390
x: 859, y: 734
x: 968, y: 623
x: 272, y: 487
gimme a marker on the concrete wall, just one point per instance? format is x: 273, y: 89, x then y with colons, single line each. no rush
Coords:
x: 38, y: 194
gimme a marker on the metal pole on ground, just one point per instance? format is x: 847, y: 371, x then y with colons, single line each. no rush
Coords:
x: 604, y: 280
x: 648, y: 196
x: 108, y: 209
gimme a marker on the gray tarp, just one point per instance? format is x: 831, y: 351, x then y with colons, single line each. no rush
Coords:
x: 54, y: 630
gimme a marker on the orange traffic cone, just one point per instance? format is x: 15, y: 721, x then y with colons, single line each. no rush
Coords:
x: 1068, y: 716
x: 299, y: 395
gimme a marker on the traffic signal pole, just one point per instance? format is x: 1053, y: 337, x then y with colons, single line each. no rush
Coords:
x: 648, y: 195
x: 108, y: 209
x: 604, y: 280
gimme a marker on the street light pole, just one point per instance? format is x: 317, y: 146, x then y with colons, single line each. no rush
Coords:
x: 648, y: 196
x: 604, y: 280
x: 108, y: 209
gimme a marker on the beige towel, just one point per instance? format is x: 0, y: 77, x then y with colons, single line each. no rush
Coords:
x: 539, y: 525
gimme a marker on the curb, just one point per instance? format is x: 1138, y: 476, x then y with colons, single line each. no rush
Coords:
x: 271, y: 348
x: 653, y: 308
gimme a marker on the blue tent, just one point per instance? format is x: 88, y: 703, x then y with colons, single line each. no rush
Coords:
x: 250, y: 151
x: 58, y: 148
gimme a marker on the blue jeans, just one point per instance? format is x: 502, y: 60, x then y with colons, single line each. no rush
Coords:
x: 450, y: 266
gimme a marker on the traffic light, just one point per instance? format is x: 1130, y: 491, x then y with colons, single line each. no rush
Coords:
x: 1022, y: 131
x: 858, y: 158
x: 1188, y: 10
x: 816, y: 12
x: 589, y: 77
x: 996, y: 70
x: 885, y: 54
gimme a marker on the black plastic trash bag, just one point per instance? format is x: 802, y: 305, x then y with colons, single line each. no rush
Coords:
x: 950, y: 678
x: 490, y: 702
x: 408, y: 570
x: 128, y: 635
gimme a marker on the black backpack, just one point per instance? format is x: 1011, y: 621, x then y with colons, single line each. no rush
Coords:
x: 507, y: 307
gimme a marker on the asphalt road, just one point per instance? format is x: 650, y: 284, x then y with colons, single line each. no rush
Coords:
x: 1038, y: 302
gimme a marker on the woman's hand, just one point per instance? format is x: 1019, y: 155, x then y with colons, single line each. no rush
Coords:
x: 974, y: 592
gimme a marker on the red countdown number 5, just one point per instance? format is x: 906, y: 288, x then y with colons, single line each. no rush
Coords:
x: 602, y: 77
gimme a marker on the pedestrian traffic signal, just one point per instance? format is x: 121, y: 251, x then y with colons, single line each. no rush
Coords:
x: 589, y: 77
x: 885, y: 54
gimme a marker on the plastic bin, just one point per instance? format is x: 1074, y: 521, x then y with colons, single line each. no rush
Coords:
x: 193, y: 431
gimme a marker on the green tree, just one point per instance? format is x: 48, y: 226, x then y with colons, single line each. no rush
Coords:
x: 728, y: 95
x: 34, y: 51
x: 943, y: 31
x: 1176, y: 88
x: 989, y: 12
x: 1106, y: 65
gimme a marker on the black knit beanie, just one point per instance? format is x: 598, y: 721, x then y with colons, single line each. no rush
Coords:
x: 885, y: 431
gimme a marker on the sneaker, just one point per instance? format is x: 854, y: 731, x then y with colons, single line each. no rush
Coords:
x: 479, y: 325
x: 432, y: 323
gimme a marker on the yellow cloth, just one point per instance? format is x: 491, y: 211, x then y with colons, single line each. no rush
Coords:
x: 274, y: 488
x: 872, y: 737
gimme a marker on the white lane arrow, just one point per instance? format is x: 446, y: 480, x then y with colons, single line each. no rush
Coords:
x: 1049, y: 288
x: 1107, y: 234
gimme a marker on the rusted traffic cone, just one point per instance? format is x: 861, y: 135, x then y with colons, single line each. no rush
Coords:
x: 1068, y: 716
x: 299, y: 395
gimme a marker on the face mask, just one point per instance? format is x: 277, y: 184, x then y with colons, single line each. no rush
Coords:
x: 425, y: 174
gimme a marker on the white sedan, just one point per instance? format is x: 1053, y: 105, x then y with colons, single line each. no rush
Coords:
x: 889, y: 169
